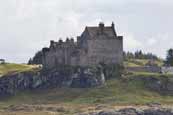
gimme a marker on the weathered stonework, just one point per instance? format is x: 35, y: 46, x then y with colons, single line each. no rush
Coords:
x: 96, y: 45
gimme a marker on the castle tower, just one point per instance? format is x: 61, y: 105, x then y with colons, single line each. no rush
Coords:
x: 97, y: 44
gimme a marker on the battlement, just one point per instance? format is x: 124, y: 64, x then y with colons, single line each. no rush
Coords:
x: 63, y: 44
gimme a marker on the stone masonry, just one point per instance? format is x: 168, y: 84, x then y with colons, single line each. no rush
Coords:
x: 95, y: 45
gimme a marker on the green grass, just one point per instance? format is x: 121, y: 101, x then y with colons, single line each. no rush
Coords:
x: 8, y: 68
x: 149, y: 74
x: 130, y: 64
x: 121, y: 92
x: 140, y: 62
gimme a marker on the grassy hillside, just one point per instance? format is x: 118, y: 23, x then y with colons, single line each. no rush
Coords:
x: 116, y: 92
x: 8, y: 68
x: 140, y: 62
x: 11, y: 67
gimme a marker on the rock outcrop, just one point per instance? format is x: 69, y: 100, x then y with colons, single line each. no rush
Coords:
x: 162, y: 84
x: 76, y: 77
x: 133, y: 111
x: 66, y: 110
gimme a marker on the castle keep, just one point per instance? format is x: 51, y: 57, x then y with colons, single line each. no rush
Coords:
x: 96, y: 45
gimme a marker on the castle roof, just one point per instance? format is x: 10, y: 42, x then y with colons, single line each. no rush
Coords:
x: 108, y: 30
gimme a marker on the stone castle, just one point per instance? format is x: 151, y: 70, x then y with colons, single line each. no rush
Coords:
x: 96, y: 45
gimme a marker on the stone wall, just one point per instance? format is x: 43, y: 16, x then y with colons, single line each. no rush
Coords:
x: 108, y: 51
x: 64, y: 53
x: 89, y: 52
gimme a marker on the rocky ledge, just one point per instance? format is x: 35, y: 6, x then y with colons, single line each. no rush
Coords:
x: 153, y: 109
x: 65, y: 76
x: 134, y: 111
x: 67, y: 111
x: 163, y: 84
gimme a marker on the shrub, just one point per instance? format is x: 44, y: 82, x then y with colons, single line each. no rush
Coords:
x: 112, y: 70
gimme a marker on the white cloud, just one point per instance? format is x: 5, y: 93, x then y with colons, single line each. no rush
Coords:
x: 158, y: 44
x: 151, y: 41
x: 130, y: 43
x: 28, y: 25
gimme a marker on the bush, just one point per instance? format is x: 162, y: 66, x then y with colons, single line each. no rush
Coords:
x: 112, y: 70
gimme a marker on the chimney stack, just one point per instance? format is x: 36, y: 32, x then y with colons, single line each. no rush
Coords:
x: 113, y: 25
x: 113, y: 28
x: 101, y: 26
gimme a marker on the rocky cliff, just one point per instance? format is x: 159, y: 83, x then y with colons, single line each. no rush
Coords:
x: 64, y: 76
x: 163, y: 84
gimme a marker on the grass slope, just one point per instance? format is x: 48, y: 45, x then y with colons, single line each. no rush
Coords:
x: 140, y: 62
x: 8, y: 68
x: 115, y: 92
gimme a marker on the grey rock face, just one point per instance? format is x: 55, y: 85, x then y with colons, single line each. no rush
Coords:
x: 130, y: 111
x: 85, y: 78
x: 88, y: 78
x: 109, y: 113
x: 158, y: 112
x: 163, y: 85
x: 127, y: 111
x: 133, y: 111
x: 154, y: 84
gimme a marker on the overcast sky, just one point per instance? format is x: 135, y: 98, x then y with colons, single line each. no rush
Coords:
x: 28, y: 25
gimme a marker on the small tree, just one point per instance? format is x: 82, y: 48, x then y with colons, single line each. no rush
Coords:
x: 37, y: 59
x: 2, y: 61
x: 139, y: 54
x: 30, y: 61
x: 169, y: 57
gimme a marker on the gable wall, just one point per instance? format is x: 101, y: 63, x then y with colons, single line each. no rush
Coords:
x: 105, y: 50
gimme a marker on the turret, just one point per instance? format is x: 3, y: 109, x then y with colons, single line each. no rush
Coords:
x: 52, y: 43
x: 72, y: 40
x: 67, y: 40
x: 112, y: 25
x: 60, y: 41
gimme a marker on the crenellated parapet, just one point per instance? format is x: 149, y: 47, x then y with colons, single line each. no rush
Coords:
x: 69, y: 42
